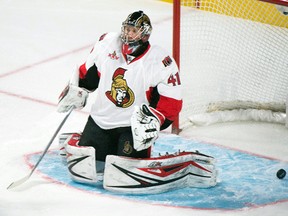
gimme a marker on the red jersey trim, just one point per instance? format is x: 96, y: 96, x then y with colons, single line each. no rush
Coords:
x: 82, y: 71
x: 169, y: 107
x: 138, y: 57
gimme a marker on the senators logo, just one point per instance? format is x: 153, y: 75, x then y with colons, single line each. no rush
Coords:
x: 127, y: 148
x: 121, y: 95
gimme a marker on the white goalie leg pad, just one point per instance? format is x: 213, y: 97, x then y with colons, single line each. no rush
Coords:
x: 157, y: 175
x: 62, y: 142
x: 81, y: 161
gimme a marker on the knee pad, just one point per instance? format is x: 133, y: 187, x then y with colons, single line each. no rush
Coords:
x: 81, y: 161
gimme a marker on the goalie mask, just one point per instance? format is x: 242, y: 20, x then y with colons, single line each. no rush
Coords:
x: 135, y: 31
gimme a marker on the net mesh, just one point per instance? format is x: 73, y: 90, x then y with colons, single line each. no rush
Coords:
x: 232, y: 50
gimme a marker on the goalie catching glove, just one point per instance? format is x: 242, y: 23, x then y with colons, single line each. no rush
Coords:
x: 145, y: 126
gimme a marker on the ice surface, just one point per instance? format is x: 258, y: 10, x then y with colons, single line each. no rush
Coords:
x: 41, y: 42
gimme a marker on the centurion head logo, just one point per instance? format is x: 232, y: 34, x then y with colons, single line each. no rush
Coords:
x: 121, y: 95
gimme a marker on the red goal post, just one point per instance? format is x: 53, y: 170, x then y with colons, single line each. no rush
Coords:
x: 232, y: 56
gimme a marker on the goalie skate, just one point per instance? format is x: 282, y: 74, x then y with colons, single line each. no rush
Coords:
x: 157, y: 175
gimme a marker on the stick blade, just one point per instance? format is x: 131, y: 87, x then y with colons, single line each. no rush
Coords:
x: 17, y: 183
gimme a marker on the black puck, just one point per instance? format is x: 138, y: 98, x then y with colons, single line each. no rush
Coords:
x: 281, y: 173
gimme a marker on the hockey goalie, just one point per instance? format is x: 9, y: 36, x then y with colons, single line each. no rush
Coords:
x: 138, y: 94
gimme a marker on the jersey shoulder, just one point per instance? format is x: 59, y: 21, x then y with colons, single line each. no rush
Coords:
x: 106, y: 42
x: 162, y: 57
x: 157, y: 50
x: 109, y: 36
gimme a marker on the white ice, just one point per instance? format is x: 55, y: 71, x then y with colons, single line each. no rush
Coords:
x: 40, y: 44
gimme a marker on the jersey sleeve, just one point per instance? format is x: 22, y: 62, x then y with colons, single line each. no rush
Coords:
x: 166, y: 97
x: 89, y: 76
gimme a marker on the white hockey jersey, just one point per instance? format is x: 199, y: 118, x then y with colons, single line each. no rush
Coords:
x: 122, y: 83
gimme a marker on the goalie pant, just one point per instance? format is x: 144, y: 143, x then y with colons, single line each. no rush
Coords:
x: 141, y: 176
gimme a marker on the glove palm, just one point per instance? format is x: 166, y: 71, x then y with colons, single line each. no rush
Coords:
x: 145, y: 126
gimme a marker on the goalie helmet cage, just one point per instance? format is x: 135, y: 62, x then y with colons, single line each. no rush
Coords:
x: 232, y: 55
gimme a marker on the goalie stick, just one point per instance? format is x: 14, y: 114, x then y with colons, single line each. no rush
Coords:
x: 22, y: 180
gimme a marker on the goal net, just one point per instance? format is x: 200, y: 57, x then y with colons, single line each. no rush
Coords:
x: 233, y: 59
